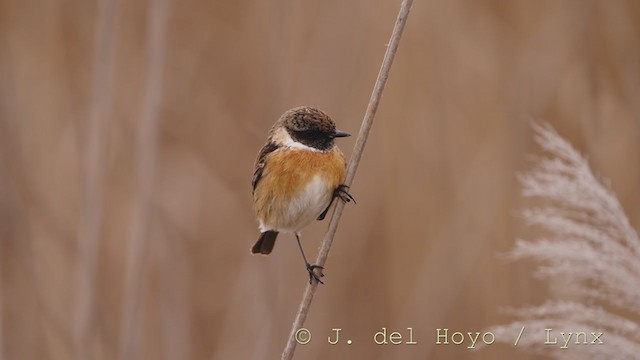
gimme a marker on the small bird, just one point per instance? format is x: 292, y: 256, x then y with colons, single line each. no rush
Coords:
x: 298, y: 174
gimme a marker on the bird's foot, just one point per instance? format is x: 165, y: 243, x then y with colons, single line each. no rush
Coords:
x: 313, y: 275
x: 342, y: 193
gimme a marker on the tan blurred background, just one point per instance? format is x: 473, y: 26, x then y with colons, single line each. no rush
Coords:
x: 83, y: 218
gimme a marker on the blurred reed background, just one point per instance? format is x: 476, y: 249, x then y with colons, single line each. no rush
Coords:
x: 128, y: 131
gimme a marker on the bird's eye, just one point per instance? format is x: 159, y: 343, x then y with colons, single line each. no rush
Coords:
x: 309, y: 134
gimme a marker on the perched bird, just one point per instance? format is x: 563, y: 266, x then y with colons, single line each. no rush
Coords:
x: 298, y: 174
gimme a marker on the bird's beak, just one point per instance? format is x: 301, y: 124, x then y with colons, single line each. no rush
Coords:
x: 339, y: 133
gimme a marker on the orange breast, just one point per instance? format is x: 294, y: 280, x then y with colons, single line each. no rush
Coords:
x: 286, y: 175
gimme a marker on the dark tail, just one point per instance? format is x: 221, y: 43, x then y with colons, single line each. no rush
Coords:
x: 265, y: 243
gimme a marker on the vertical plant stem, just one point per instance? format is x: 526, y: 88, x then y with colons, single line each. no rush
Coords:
x: 147, y: 145
x: 365, y: 128
x: 94, y: 167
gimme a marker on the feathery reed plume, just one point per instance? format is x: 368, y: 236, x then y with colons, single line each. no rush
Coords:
x: 591, y: 246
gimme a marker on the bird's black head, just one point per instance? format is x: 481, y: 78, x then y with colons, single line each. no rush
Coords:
x: 311, y: 127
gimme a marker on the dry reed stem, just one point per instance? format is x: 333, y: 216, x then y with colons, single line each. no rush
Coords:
x: 358, y: 148
x: 147, y: 145
x: 94, y: 168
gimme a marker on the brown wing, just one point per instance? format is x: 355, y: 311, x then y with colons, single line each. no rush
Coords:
x: 260, y: 163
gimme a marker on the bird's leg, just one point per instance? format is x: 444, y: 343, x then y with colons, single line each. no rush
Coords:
x: 339, y: 192
x: 310, y: 268
x: 326, y: 210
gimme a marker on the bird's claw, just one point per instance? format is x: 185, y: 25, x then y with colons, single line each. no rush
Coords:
x: 312, y: 273
x: 342, y: 193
